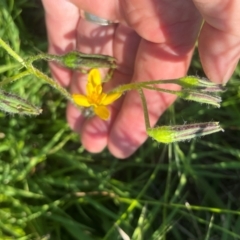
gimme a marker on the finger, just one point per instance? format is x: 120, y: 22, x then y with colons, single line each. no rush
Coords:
x: 108, y: 9
x: 152, y: 19
x: 61, y: 22
x: 147, y: 17
x: 92, y: 39
x: 219, y: 40
x: 166, y: 60
x: 95, y: 131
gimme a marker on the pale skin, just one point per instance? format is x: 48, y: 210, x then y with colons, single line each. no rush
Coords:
x: 154, y: 40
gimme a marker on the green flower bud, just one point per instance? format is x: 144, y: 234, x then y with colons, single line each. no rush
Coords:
x: 11, y: 103
x: 200, y: 97
x: 76, y: 60
x: 192, y: 81
x: 170, y: 134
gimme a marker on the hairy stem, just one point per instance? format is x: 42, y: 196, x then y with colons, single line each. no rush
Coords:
x: 145, y: 109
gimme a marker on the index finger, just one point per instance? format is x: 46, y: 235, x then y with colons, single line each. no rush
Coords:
x: 61, y: 21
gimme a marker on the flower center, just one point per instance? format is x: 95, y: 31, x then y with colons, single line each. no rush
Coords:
x: 95, y: 99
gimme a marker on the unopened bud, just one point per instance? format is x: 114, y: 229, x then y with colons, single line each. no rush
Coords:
x: 213, y: 89
x: 76, y: 60
x: 196, y: 82
x: 170, y: 134
x: 200, y: 97
x: 11, y: 103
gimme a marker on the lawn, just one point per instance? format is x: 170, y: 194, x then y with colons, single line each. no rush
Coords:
x: 51, y: 188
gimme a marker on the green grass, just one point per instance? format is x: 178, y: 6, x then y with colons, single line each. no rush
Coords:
x: 51, y: 188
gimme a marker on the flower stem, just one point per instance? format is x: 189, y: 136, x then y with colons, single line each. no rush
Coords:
x: 138, y: 85
x: 51, y: 82
x: 14, y: 78
x: 44, y: 56
x: 11, y: 52
x: 32, y: 70
x: 145, y: 109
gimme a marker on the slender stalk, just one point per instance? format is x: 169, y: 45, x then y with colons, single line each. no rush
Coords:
x: 163, y: 90
x: 145, y: 109
x: 32, y: 70
x: 138, y: 85
x: 167, y: 189
x: 11, y: 52
x: 45, y: 56
x: 126, y: 87
x: 14, y: 78
x: 51, y: 82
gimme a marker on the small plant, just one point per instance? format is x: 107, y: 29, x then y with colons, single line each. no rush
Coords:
x: 193, y: 88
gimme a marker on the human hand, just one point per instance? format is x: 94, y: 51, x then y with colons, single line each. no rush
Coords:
x: 154, y: 40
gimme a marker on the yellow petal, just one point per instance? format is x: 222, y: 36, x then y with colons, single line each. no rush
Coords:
x: 102, y: 112
x: 81, y: 100
x: 94, y: 77
x: 94, y: 85
x: 110, y: 98
x: 91, y: 90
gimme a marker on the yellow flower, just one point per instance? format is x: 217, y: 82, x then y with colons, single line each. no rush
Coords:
x: 95, y: 97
